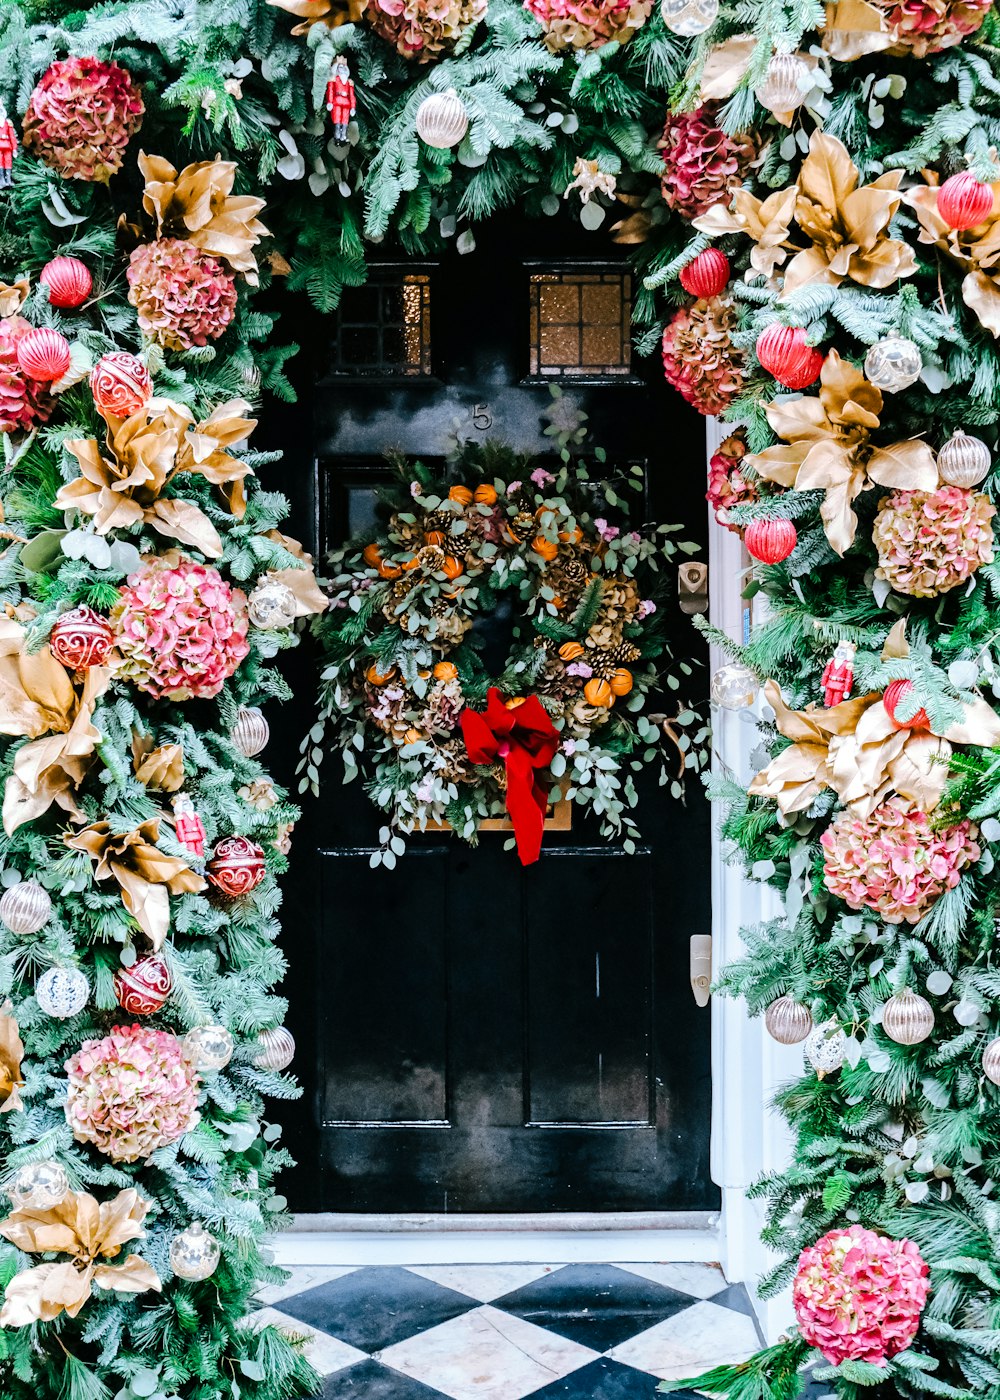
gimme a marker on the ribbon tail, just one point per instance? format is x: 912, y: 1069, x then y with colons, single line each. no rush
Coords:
x: 525, y: 805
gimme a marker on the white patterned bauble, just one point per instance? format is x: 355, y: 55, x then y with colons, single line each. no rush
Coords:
x: 826, y: 1047
x: 893, y: 364
x: 964, y: 461
x: 277, y: 1049
x: 689, y: 18
x: 734, y: 686
x: 210, y: 1048
x: 788, y: 1021
x: 25, y: 907
x: 194, y: 1253
x: 785, y: 84
x: 991, y: 1062
x: 62, y: 992
x: 271, y: 605
x: 907, y: 1018
x: 38, y: 1186
x: 251, y: 731
x: 442, y: 120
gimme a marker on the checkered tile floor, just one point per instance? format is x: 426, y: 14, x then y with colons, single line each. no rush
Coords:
x: 503, y: 1332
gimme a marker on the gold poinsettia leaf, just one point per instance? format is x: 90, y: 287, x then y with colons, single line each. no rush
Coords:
x: 725, y: 67
x: 904, y: 466
x: 331, y: 13
x: 827, y: 176
x: 11, y: 1055
x: 197, y: 203
x: 854, y: 29
x: 847, y: 396
x: 982, y: 295
x: 161, y: 767
x: 13, y: 295
x: 42, y: 1293
x: 633, y: 230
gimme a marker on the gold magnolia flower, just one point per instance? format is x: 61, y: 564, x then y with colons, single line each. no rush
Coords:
x: 330, y: 13
x: 828, y: 448
x: 198, y: 204
x: 11, y: 1055
x: 91, y: 1234
x: 160, y: 768
x: 977, y: 250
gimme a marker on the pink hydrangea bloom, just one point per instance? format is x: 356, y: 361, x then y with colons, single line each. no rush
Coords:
x: 588, y: 24
x: 181, y: 631
x: 541, y: 477
x: 81, y: 116
x: 893, y: 861
x: 702, y: 165
x: 607, y: 532
x: 858, y: 1296
x: 23, y: 401
x: 424, y: 29
x: 699, y: 359
x: 921, y: 27
x: 931, y: 541
x: 726, y: 483
x: 131, y: 1092
x: 183, y: 296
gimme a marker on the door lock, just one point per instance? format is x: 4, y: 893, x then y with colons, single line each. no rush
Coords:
x: 701, y: 967
x: 692, y: 587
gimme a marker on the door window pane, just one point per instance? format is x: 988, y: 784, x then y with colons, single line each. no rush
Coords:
x: 384, y: 328
x: 580, y: 324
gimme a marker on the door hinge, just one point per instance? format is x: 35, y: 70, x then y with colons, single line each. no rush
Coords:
x: 692, y: 587
x: 701, y: 967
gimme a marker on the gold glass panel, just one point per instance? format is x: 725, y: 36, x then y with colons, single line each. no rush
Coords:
x: 384, y: 328
x: 579, y: 324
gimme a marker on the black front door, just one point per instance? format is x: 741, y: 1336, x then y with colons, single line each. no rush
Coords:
x: 475, y: 1036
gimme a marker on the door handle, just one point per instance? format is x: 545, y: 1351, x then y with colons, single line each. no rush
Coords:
x: 692, y: 587
x: 701, y: 967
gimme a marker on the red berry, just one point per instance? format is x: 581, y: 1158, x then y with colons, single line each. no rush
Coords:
x: 707, y: 274
x: 896, y: 691
x: 783, y: 352
x: 963, y: 201
x: 770, y: 541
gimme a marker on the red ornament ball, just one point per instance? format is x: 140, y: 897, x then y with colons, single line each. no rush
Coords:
x: 43, y: 355
x: 963, y: 201
x: 707, y: 274
x: 896, y: 691
x: 69, y: 282
x: 120, y: 384
x: 770, y: 541
x: 783, y: 352
x: 236, y: 867
x: 144, y: 987
x: 81, y: 638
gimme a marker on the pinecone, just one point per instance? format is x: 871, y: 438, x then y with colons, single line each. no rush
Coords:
x: 431, y: 558
x: 523, y: 525
x: 459, y: 545
x: 451, y: 626
x: 602, y: 664
x: 624, y: 653
x: 436, y: 520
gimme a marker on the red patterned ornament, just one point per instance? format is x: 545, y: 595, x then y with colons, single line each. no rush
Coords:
x: 81, y: 638
x: 69, y: 282
x: 43, y: 355
x: 783, y: 352
x: 707, y: 274
x: 143, y: 988
x: 120, y: 384
x: 188, y: 826
x: 236, y: 867
x: 963, y: 201
x: 896, y: 691
x: 770, y: 541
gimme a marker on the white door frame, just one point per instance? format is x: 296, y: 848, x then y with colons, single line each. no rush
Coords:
x: 747, y: 1138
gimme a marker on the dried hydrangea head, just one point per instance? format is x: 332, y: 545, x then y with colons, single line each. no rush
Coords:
x: 727, y: 484
x: 894, y: 861
x: 699, y: 358
x: 588, y: 24
x: 858, y: 1296
x: 931, y: 541
x: 183, y: 296
x: 81, y: 116
x: 424, y: 29
x: 702, y: 164
x: 922, y: 27
x: 24, y: 403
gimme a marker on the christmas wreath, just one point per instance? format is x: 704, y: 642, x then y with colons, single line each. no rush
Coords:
x: 408, y: 694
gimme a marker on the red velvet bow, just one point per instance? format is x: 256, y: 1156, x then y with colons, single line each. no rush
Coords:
x: 526, y: 739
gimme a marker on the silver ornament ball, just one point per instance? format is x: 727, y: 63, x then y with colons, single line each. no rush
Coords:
x: 826, y: 1047
x: 194, y: 1253
x: 991, y: 1062
x: 734, y: 686
x: 277, y: 1049
x: 893, y: 364
x: 785, y: 84
x: 271, y: 605
x: 25, y: 907
x: 442, y: 120
x: 209, y: 1048
x: 907, y: 1018
x: 62, y: 992
x: 964, y: 461
x: 689, y: 18
x: 788, y: 1021
x: 251, y: 731
x: 39, y: 1186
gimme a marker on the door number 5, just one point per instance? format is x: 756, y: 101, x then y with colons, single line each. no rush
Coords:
x: 482, y: 418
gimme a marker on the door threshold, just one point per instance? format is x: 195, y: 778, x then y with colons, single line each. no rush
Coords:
x: 639, y: 1237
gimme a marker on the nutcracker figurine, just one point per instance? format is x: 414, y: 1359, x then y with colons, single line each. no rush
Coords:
x: 189, y: 826
x: 838, y: 675
x: 8, y: 148
x: 340, y: 97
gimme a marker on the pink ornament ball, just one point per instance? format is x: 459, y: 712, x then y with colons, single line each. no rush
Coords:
x: 770, y: 541
x: 707, y: 274
x: 236, y: 867
x: 81, y: 638
x: 69, y: 282
x: 783, y: 352
x: 143, y: 988
x: 963, y: 201
x: 43, y: 355
x: 120, y: 384
x: 896, y: 691
x: 858, y: 1296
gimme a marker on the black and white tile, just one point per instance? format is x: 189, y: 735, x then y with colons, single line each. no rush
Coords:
x: 504, y: 1332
